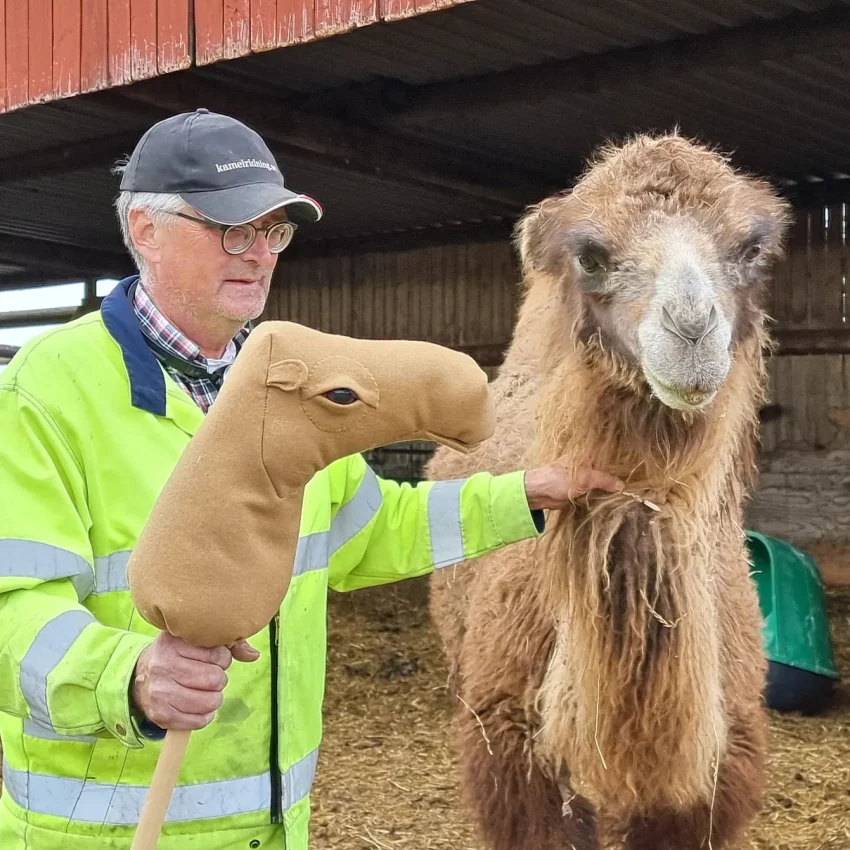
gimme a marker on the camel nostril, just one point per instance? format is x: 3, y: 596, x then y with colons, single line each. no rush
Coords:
x: 713, y: 320
x: 692, y: 330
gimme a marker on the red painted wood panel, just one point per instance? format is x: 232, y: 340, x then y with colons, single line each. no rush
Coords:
x: 66, y: 47
x: 209, y: 29
x: 237, y: 28
x: 393, y: 10
x: 263, y: 24
x: 40, y: 50
x: 94, y: 46
x: 142, y: 39
x: 172, y: 35
x: 296, y: 21
x: 221, y: 32
x: 118, y: 42
x: 50, y: 49
x: 337, y: 16
x: 2, y: 55
x: 17, y: 53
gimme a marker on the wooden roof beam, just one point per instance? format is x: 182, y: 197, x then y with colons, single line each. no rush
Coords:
x: 35, y: 278
x: 353, y: 148
x: 7, y: 352
x: 62, y: 159
x: 60, y: 259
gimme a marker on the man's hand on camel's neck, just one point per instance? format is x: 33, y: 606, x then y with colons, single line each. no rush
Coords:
x: 553, y: 487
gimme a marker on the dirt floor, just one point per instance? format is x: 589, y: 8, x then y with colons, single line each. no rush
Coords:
x: 388, y: 777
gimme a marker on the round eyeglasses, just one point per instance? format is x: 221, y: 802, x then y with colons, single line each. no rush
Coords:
x: 238, y: 238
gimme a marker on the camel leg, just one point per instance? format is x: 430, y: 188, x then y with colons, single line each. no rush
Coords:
x: 516, y: 805
x: 737, y: 799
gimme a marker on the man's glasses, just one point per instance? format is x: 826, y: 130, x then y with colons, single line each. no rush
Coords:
x: 238, y: 238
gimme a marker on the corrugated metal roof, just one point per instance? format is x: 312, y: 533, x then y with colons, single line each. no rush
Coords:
x: 784, y: 119
x: 787, y: 114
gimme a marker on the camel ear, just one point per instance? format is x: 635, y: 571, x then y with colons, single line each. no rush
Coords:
x: 288, y: 375
x: 526, y: 235
x: 539, y: 239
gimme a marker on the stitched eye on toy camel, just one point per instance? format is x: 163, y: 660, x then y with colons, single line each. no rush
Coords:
x: 339, y: 391
x: 341, y: 396
x: 667, y: 287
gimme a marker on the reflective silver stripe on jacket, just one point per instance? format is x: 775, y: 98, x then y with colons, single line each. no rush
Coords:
x: 41, y: 561
x: 315, y: 550
x: 298, y: 780
x: 111, y: 572
x: 48, y: 733
x: 444, y: 522
x: 355, y: 515
x: 120, y: 805
x: 49, y: 647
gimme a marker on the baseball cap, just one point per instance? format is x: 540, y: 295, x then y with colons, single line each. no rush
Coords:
x: 217, y: 165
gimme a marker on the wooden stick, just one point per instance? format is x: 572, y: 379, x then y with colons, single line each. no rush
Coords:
x: 161, y: 788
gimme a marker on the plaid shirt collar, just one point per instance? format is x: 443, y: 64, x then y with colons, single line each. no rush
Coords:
x: 159, y: 330
x: 199, y: 376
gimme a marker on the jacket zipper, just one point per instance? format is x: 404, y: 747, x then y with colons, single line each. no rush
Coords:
x: 274, y: 762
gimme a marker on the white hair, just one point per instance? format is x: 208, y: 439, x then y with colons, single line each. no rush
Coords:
x: 155, y: 204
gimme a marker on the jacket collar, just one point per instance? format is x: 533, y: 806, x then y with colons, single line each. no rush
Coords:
x: 147, y: 380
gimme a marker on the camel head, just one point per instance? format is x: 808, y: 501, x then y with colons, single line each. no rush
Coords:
x: 329, y: 396
x: 657, y: 257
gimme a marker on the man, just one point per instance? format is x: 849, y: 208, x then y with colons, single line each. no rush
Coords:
x: 94, y: 417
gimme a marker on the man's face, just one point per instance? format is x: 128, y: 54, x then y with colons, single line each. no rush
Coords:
x: 188, y: 259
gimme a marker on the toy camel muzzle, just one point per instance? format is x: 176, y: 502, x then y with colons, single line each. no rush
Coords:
x: 215, y: 558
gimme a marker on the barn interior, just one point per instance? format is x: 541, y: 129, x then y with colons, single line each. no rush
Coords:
x: 425, y: 132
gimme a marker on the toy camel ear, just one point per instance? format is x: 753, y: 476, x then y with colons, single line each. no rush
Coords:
x: 289, y: 375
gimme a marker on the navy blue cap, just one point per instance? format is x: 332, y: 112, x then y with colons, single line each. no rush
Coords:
x: 217, y: 165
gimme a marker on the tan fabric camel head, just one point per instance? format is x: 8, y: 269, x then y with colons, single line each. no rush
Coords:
x: 215, y: 558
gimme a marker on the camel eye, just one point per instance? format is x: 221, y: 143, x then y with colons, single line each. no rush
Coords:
x: 590, y: 264
x: 752, y: 253
x: 341, y: 396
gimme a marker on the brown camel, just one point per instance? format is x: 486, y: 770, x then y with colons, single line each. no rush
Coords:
x: 608, y: 677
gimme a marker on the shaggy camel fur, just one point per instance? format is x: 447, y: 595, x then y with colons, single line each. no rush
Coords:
x: 608, y: 677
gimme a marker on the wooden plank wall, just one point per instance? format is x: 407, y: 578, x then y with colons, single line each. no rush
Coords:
x: 456, y: 295
x: 804, y: 484
x: 50, y: 49
x: 810, y: 292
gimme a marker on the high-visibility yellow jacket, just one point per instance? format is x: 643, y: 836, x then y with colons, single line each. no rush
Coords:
x: 90, y: 428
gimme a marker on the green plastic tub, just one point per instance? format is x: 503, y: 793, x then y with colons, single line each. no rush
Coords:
x: 797, y: 642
